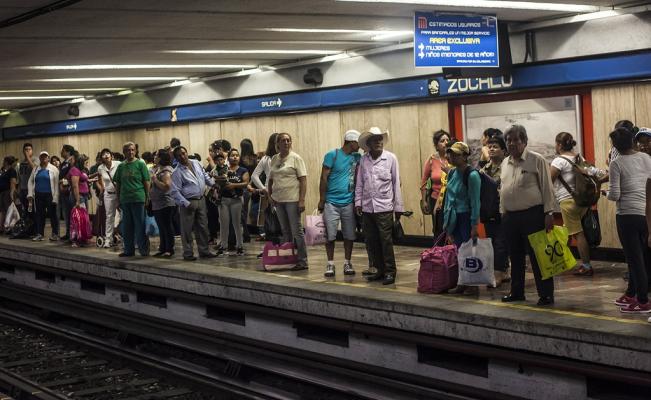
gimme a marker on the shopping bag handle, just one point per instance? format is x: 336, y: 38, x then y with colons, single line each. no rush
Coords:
x: 438, y: 239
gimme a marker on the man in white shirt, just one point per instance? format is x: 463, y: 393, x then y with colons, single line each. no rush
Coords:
x: 108, y: 193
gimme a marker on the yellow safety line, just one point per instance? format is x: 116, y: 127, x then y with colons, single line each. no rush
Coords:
x: 484, y: 302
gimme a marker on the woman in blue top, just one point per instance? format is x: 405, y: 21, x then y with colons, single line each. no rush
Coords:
x: 43, y: 192
x: 461, y: 209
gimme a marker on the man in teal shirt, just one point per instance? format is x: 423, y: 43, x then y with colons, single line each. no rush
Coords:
x: 336, y: 201
x: 132, y: 186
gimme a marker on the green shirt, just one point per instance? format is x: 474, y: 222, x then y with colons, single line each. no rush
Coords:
x: 131, y: 177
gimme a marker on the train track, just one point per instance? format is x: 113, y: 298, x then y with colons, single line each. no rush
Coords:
x: 42, y: 361
x: 212, y: 363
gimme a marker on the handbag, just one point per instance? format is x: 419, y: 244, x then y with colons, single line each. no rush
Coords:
x: 272, y: 229
x: 279, y: 256
x: 476, y: 263
x: 315, y: 229
x: 80, y: 229
x: 591, y: 228
x: 439, y: 269
x: 551, y: 250
x: 397, y: 232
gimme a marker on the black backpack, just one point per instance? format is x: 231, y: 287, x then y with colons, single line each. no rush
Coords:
x: 489, y: 195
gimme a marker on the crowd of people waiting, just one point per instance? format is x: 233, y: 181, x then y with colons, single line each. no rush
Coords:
x: 222, y: 198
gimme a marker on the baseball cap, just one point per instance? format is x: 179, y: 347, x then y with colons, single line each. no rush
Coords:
x: 44, y: 152
x: 459, y: 148
x: 351, y: 136
x: 643, y: 132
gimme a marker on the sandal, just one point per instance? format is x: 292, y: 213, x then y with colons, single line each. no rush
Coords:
x: 583, y: 271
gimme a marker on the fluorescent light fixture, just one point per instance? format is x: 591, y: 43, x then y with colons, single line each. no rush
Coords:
x: 579, y: 18
x: 4, y: 112
x: 308, y: 52
x: 318, y: 30
x: 61, y: 90
x: 516, y: 5
x: 124, y: 92
x: 392, y: 35
x: 180, y: 83
x: 135, y: 66
x: 37, y: 97
x: 113, y: 79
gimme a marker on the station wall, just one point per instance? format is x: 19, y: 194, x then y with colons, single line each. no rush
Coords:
x: 609, y: 105
x: 410, y: 129
x: 410, y: 125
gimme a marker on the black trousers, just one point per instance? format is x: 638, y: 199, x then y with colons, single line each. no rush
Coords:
x: 378, y: 230
x: 633, y: 234
x: 495, y: 231
x: 45, y: 207
x: 213, y: 218
x: 518, y: 226
x: 164, y: 220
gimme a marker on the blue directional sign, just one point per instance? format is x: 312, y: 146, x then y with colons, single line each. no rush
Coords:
x: 448, y: 40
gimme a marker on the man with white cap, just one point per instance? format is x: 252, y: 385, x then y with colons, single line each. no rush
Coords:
x: 337, y: 191
x: 377, y: 199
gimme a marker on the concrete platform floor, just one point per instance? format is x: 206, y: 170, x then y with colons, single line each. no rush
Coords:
x: 586, y: 298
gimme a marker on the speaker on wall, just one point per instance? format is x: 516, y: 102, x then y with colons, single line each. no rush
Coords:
x: 314, y: 76
x: 73, y: 110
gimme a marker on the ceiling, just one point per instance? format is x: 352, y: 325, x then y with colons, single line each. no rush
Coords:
x: 150, y: 33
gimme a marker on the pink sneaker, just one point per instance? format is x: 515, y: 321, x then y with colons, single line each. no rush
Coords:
x: 625, y: 301
x: 637, y: 308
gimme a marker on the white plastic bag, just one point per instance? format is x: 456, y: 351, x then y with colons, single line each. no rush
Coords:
x: 12, y: 217
x: 476, y: 263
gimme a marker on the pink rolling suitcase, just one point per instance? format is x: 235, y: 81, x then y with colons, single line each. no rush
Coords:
x: 439, y: 270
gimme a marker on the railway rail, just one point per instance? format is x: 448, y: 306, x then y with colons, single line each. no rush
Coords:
x: 45, y: 360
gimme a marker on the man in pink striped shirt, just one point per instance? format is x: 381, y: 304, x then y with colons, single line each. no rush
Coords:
x: 378, y: 199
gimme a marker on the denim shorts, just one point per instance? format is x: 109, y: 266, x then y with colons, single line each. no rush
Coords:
x: 333, y: 214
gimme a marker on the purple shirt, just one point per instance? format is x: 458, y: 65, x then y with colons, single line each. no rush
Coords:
x: 378, y: 184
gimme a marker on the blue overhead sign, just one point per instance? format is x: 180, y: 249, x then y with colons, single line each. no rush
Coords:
x: 448, y: 40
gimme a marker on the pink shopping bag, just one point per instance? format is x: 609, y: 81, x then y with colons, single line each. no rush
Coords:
x: 80, y: 228
x: 279, y: 256
x: 315, y: 229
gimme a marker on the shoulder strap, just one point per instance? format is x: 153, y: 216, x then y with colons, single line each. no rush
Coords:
x: 574, y: 163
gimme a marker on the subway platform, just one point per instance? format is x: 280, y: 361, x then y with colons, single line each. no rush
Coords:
x: 584, y: 331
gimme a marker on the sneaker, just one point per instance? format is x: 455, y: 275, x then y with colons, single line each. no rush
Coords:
x: 637, y: 308
x: 54, y: 238
x: 370, y: 271
x: 625, y: 301
x: 220, y: 251
x: 239, y: 251
x: 108, y: 244
x: 330, y: 271
x: 348, y: 269
x: 37, y: 238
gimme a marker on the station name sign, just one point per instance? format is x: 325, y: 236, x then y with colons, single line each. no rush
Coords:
x: 451, y: 40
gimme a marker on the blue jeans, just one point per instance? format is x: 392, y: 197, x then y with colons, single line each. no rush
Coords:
x: 133, y: 228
